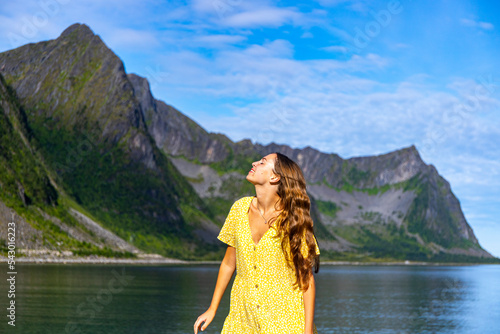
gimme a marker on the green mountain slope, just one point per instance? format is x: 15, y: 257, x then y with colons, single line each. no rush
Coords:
x: 391, y: 206
x: 102, y: 144
x: 88, y: 127
x: 28, y: 192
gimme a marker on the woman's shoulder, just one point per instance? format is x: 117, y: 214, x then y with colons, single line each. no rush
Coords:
x: 245, y: 199
x: 243, y: 202
x: 240, y: 206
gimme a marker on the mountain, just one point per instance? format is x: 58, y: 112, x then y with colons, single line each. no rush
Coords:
x: 89, y: 128
x: 44, y: 220
x: 106, y: 156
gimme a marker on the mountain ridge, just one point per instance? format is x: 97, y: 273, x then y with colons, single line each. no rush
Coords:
x: 400, y: 166
x: 89, y: 127
x: 74, y: 88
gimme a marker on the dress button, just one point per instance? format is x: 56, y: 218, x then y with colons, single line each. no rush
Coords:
x: 254, y: 248
x: 258, y: 306
x: 254, y: 267
x: 256, y: 286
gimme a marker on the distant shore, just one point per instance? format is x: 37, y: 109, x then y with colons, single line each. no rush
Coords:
x: 169, y: 261
x: 101, y: 260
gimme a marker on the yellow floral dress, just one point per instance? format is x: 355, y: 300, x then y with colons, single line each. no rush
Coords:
x: 263, y: 299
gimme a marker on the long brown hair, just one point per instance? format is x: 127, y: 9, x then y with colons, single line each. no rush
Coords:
x: 295, y: 225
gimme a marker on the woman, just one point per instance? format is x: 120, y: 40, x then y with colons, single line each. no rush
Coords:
x: 271, y: 245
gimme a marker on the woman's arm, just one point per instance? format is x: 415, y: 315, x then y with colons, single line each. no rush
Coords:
x: 226, y: 271
x: 309, y: 300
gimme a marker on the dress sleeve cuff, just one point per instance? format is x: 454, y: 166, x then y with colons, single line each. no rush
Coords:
x: 227, y: 239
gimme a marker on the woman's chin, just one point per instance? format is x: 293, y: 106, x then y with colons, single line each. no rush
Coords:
x: 249, y: 178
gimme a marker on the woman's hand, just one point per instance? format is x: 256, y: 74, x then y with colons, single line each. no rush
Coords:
x: 205, y: 318
x: 226, y: 270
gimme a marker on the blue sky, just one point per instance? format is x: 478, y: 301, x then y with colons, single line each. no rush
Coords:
x: 350, y: 77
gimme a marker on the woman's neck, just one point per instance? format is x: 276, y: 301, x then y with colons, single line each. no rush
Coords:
x: 266, y: 198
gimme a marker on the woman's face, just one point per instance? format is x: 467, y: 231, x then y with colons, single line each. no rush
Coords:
x: 262, y: 170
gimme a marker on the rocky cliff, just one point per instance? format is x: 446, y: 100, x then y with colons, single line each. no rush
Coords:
x: 45, y: 223
x: 163, y: 184
x: 384, y: 200
x: 89, y: 127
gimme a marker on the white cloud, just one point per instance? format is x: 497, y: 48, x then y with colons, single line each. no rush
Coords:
x: 477, y: 24
x: 336, y: 48
x: 475, y: 170
x: 402, y: 46
x: 131, y: 38
x: 307, y: 34
x: 263, y: 17
x: 333, y: 105
x: 219, y: 39
x: 355, y: 5
x: 486, y: 26
x: 325, y: 104
x: 34, y: 20
x: 255, y: 14
x: 203, y: 5
x: 276, y: 48
x: 332, y: 3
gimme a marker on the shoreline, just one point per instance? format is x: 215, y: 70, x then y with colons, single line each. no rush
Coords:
x: 102, y: 260
x: 169, y: 261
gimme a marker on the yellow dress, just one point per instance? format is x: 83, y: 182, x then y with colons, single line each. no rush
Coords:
x: 263, y: 299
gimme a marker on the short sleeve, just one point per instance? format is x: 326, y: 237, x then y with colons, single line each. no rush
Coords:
x: 304, y: 248
x: 228, y: 232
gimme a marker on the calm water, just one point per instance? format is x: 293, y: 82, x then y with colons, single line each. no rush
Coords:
x: 168, y: 299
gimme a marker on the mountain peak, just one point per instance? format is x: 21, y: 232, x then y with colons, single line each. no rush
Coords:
x: 102, y: 98
x: 411, y: 151
x: 76, y: 90
x: 78, y: 28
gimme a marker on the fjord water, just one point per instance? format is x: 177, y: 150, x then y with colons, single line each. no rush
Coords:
x: 168, y: 299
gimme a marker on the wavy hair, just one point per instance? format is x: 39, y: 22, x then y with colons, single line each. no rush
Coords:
x: 294, y: 224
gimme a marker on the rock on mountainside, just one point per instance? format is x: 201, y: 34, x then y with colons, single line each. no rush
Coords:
x: 44, y: 223
x: 393, y: 204
x: 166, y: 125
x: 163, y: 184
x: 388, y: 205
x: 397, y: 190
x: 89, y: 127
x: 55, y: 79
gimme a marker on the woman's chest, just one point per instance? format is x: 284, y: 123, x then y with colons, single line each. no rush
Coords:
x: 258, y: 226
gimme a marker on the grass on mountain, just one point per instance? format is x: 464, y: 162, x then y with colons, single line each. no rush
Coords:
x: 126, y: 197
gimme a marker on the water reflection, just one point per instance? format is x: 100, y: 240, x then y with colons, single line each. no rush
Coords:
x: 167, y: 299
x: 406, y: 299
